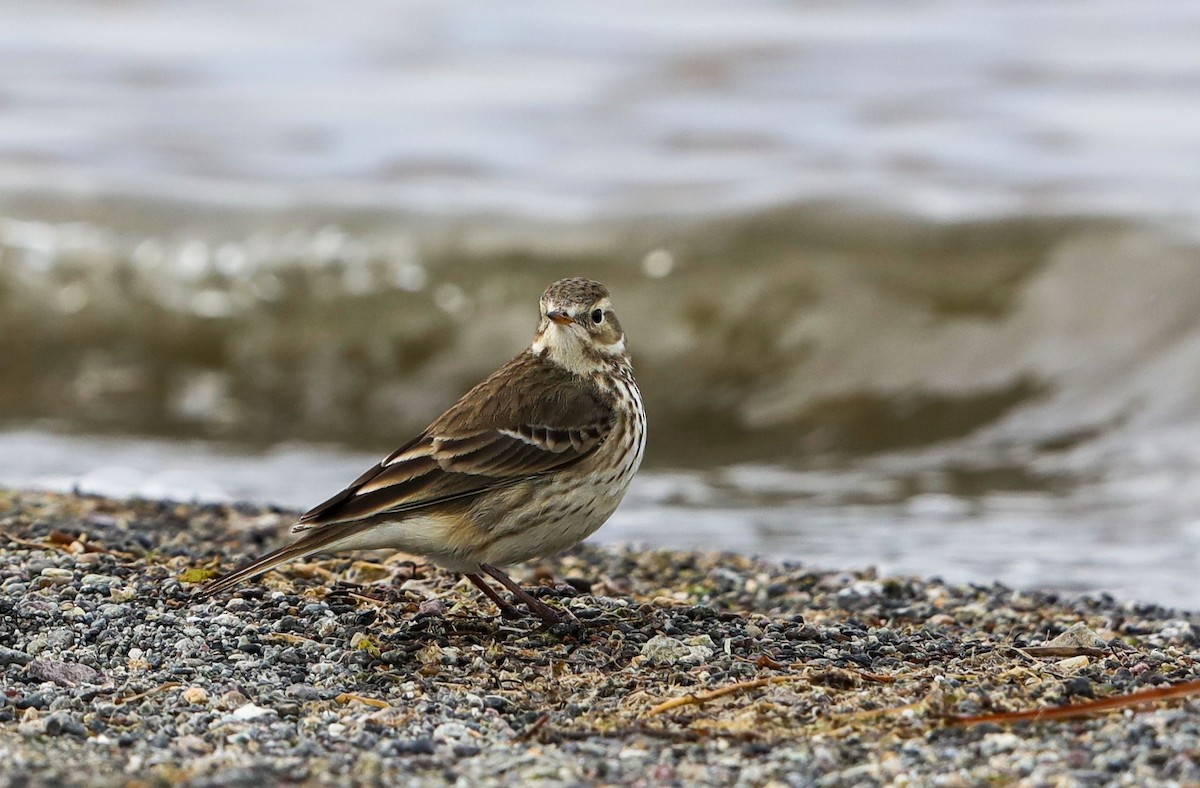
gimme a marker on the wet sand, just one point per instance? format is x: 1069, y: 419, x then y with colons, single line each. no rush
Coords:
x: 681, y: 667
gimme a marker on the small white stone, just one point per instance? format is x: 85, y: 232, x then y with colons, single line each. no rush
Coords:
x: 1073, y: 663
x: 251, y: 712
x: 861, y: 588
x: 664, y: 650
x: 451, y: 731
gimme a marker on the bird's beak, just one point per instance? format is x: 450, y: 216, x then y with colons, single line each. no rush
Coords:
x: 560, y: 317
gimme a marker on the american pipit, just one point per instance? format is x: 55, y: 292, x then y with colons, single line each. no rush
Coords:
x: 528, y: 463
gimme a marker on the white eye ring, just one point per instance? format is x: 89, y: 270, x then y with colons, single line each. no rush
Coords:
x: 597, y: 316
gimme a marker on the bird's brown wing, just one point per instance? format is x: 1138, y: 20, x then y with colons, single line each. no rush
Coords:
x: 528, y: 418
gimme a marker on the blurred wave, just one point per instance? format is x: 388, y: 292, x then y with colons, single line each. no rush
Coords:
x: 800, y: 332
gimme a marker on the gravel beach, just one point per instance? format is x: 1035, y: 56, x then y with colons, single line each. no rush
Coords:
x: 682, y: 668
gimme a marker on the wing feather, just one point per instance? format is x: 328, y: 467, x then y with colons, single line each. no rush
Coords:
x: 489, y: 439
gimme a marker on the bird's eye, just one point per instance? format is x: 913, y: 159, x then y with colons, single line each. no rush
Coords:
x: 597, y: 316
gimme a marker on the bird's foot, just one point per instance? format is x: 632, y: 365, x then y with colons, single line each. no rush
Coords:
x: 509, y: 613
x: 547, y: 614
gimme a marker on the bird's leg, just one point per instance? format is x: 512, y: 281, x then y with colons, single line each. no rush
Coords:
x: 537, y: 606
x: 506, y: 610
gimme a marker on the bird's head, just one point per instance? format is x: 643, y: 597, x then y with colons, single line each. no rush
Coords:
x: 578, y: 328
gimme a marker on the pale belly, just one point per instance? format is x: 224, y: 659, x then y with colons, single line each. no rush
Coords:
x: 564, y: 520
x: 563, y: 511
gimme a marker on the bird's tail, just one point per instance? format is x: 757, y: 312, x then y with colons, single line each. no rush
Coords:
x: 313, y: 542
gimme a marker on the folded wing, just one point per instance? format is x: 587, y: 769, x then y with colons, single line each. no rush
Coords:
x: 527, y: 419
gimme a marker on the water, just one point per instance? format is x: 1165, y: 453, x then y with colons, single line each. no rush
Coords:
x: 948, y: 107
x: 912, y: 285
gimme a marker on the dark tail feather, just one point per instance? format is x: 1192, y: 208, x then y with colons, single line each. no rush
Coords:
x: 313, y: 542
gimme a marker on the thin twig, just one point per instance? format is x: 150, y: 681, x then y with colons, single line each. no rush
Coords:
x: 347, y: 697
x: 670, y: 734
x: 151, y: 691
x: 1087, y: 708
x: 65, y: 547
x: 1064, y: 651
x: 698, y: 698
x: 866, y: 714
x: 370, y: 599
x: 28, y: 543
x: 290, y: 637
x: 533, y: 728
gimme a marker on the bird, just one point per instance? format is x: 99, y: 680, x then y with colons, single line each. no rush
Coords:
x: 526, y: 464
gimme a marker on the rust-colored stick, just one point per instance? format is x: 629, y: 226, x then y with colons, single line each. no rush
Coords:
x: 698, y: 698
x: 1073, y: 710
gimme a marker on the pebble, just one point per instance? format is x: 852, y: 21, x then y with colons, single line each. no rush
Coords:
x: 63, y: 724
x: 663, y: 650
x: 250, y: 712
x: 34, y: 700
x: 115, y: 672
x: 64, y: 674
x: 431, y: 607
x: 197, y: 696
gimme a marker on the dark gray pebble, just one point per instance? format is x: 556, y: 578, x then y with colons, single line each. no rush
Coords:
x: 1079, y: 685
x: 61, y: 723
x: 412, y: 747
x: 34, y: 700
x: 306, y: 692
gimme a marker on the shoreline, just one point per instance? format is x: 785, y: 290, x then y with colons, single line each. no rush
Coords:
x: 685, y: 667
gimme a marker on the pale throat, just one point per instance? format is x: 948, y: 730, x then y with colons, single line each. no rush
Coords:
x: 564, y: 347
